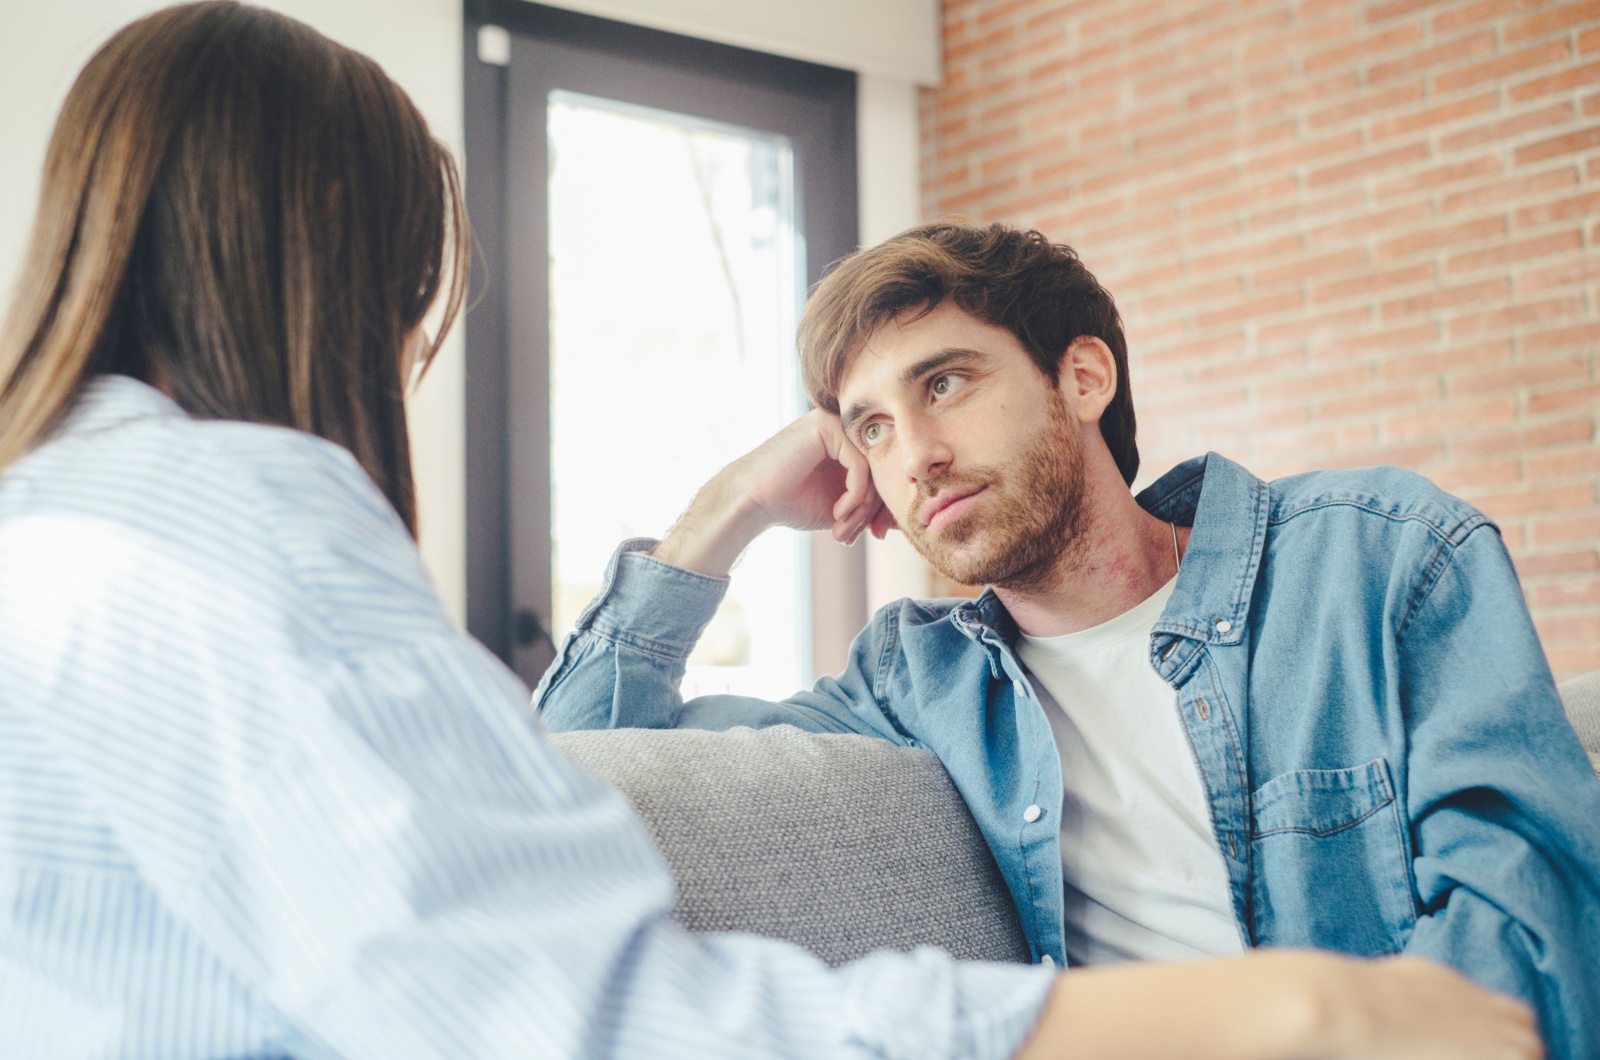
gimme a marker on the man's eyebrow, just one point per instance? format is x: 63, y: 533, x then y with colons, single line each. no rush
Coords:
x: 911, y: 374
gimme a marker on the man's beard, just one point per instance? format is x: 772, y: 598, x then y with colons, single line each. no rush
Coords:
x: 1023, y: 531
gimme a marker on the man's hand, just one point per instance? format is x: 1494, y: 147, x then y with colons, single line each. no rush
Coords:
x: 1281, y: 1005
x: 807, y: 476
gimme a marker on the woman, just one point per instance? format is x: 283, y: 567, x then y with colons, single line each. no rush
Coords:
x: 258, y: 796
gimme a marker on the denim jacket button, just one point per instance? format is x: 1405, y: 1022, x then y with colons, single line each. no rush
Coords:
x: 1031, y: 814
x: 1223, y: 625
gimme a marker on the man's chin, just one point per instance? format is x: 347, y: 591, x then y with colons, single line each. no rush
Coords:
x: 966, y: 562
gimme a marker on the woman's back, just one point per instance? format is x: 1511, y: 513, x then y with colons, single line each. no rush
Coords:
x: 219, y: 649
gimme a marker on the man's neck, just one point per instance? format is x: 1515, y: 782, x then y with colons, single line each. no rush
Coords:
x: 1121, y: 556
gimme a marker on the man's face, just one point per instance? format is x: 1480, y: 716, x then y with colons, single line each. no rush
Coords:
x: 976, y: 454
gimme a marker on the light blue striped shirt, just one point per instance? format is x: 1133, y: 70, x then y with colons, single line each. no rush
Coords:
x: 259, y: 797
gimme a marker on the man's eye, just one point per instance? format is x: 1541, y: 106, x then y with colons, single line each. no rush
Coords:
x: 871, y: 433
x: 942, y: 385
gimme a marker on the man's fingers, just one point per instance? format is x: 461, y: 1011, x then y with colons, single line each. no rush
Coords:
x: 883, y: 521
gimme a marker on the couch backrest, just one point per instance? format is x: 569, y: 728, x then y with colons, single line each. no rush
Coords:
x: 1581, y: 696
x: 842, y: 844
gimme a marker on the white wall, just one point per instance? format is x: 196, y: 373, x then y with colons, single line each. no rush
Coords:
x: 43, y: 45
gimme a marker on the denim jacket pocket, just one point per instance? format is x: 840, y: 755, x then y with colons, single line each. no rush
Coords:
x: 1329, y: 865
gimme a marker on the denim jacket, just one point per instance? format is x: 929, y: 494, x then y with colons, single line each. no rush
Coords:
x: 1379, y: 738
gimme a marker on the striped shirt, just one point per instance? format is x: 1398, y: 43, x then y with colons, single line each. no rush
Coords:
x: 259, y: 797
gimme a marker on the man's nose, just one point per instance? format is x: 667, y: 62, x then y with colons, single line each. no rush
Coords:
x: 923, y: 450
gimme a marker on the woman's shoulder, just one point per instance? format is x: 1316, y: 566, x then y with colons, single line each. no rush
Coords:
x: 127, y: 448
x: 271, y: 511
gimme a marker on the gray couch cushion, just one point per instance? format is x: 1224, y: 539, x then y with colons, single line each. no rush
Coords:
x: 1581, y: 696
x: 842, y: 844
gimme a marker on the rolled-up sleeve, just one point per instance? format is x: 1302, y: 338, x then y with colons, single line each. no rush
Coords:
x: 622, y: 665
x: 1505, y: 809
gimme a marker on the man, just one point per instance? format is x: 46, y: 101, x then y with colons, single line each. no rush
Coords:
x: 1220, y: 715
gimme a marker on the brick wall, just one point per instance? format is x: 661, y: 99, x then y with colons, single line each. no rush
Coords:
x: 1340, y: 233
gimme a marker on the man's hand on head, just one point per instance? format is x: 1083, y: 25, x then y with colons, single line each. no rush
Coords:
x: 807, y: 476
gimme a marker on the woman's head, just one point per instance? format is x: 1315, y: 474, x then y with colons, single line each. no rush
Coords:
x: 248, y: 215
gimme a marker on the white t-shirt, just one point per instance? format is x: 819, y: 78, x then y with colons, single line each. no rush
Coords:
x: 1144, y: 876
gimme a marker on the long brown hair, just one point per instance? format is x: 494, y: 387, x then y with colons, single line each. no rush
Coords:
x: 247, y: 215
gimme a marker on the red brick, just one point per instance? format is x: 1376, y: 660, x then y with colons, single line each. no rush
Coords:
x: 1366, y: 223
x: 1569, y: 143
x: 1568, y: 593
x: 1387, y: 345
x: 1504, y: 66
x: 1457, y: 16
x: 1434, y: 117
x: 1367, y: 165
x: 1415, y: 395
x: 1433, y: 238
x: 1532, y: 500
x: 1427, y: 59
x: 1228, y: 202
x: 1561, y: 339
x: 1247, y: 253
x: 1302, y: 208
x: 1573, y: 464
x: 954, y: 53
x: 1444, y: 297
x: 1524, y: 439
x: 1579, y: 398
x: 1569, y: 562
x: 1580, y: 271
x: 1367, y: 104
x: 1509, y: 128
x: 1362, y: 49
x: 1310, y: 384
x: 1567, y: 662
x: 1321, y: 265
x: 1416, y: 457
x: 1521, y: 250
x: 1567, y: 529
x: 1453, y: 357
x: 1516, y: 315
x: 1458, y: 416
x: 1505, y: 192
x: 1373, y: 283
x: 1519, y: 376
x: 1552, y: 21
x: 1388, y: 9
x: 1584, y: 628
x: 1560, y: 209
x: 1470, y: 480
x: 1330, y: 439
x: 1452, y: 173
x: 1589, y: 41
x: 1572, y: 77
x: 1246, y: 312
x: 1307, y: 151
x: 1309, y: 330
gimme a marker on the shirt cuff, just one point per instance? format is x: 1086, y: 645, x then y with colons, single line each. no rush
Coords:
x: 651, y: 605
x: 926, y: 1004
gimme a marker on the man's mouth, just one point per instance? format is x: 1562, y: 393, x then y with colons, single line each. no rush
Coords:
x: 948, y: 507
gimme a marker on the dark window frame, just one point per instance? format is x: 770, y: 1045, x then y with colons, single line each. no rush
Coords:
x: 507, y: 499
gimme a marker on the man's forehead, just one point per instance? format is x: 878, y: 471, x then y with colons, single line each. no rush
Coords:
x: 911, y: 336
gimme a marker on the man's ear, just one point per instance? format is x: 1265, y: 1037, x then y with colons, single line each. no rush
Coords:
x: 1089, y: 375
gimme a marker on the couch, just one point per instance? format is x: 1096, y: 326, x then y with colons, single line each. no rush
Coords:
x: 842, y: 844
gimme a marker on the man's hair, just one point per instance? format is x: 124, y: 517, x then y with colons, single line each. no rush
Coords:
x: 1017, y: 280
x: 254, y: 218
